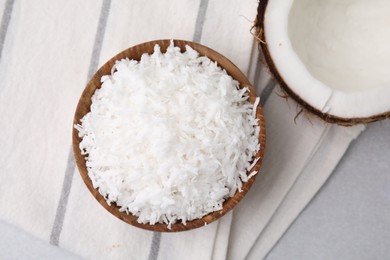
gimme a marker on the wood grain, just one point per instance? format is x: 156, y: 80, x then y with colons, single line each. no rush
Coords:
x: 84, y: 105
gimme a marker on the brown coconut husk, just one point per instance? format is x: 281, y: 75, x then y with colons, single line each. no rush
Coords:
x: 259, y: 34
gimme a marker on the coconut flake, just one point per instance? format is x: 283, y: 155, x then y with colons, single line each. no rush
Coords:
x: 252, y: 174
x: 169, y: 137
x: 255, y: 105
x: 253, y: 164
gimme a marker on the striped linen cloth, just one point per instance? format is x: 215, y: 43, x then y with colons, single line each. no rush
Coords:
x: 48, y: 51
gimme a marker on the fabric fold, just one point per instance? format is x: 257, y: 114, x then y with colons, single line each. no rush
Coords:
x: 291, y: 146
x: 313, y: 176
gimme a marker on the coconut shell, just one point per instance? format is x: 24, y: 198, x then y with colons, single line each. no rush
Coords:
x: 262, y: 41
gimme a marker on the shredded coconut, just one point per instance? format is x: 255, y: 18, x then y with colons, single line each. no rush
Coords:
x: 169, y: 137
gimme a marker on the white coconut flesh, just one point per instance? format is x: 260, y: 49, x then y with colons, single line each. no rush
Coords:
x: 333, y: 54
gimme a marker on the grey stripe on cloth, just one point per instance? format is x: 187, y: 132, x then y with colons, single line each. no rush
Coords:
x: 257, y: 68
x: 70, y: 168
x: 97, y: 46
x: 267, y: 91
x: 5, y: 22
x: 155, y: 246
x: 156, y: 239
x: 200, y: 20
x: 271, y: 84
x: 61, y: 208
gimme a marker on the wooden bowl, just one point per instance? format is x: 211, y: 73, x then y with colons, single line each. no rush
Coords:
x: 84, y: 105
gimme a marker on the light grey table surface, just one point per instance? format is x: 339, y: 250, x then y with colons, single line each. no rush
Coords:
x: 17, y: 244
x: 350, y: 216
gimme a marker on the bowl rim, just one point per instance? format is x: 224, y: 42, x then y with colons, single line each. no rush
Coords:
x: 84, y: 104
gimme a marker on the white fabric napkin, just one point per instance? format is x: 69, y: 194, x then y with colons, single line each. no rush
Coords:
x: 300, y: 156
x: 312, y: 177
x: 49, y: 49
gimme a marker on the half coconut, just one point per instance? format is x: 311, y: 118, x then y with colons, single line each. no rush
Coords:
x: 332, y: 57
